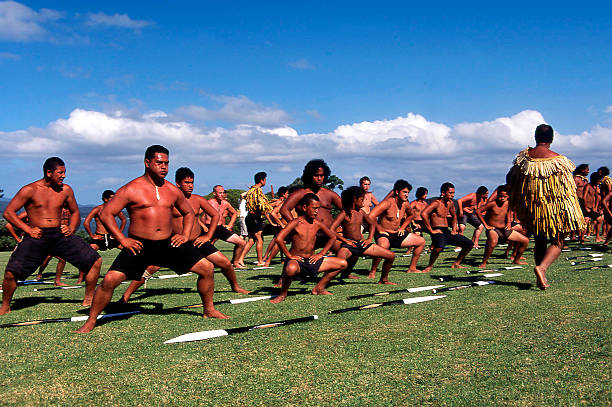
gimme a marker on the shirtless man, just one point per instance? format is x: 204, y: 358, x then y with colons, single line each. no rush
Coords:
x: 102, y: 239
x: 369, y: 199
x: 435, y: 218
x: 278, y: 224
x: 607, y: 213
x: 580, y: 178
x: 184, y: 178
x: 315, y: 175
x: 301, y: 259
x: 417, y: 207
x: 224, y: 231
x: 496, y: 218
x: 391, y: 232
x: 150, y: 200
x: 45, y: 235
x: 351, y: 243
x: 467, y: 212
x: 590, y: 201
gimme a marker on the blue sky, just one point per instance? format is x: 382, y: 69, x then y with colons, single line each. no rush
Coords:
x: 425, y: 92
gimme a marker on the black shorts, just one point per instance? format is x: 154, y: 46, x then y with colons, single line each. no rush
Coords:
x: 592, y: 215
x: 223, y: 233
x: 157, y: 253
x: 107, y: 242
x: 254, y: 223
x: 30, y: 253
x: 440, y: 240
x: 356, y: 250
x: 206, y: 249
x: 418, y: 226
x: 503, y: 234
x: 470, y: 218
x: 308, y: 270
x: 395, y: 240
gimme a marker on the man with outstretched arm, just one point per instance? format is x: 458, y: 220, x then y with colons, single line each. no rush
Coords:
x: 150, y: 200
x: 435, y: 219
x: 44, y: 234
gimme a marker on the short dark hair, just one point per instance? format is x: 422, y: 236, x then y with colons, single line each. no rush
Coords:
x: 595, y: 177
x: 420, y: 192
x: 51, y: 164
x: 544, y: 134
x: 348, y: 195
x: 294, y: 188
x: 281, y: 191
x: 304, y: 201
x: 218, y: 185
x: 581, y: 168
x: 154, y: 149
x: 107, y: 194
x: 502, y: 188
x: 309, y: 171
x: 401, y: 184
x: 482, y: 190
x: 605, y: 171
x: 364, y: 178
x: 183, y: 173
x: 260, y: 176
x: 446, y: 186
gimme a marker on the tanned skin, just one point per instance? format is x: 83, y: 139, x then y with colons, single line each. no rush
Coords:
x: 100, y: 229
x: 605, y: 204
x: 469, y: 204
x: 389, y: 213
x: 151, y: 219
x: 369, y: 198
x: 497, y: 214
x: 277, y: 220
x: 304, y: 231
x: 197, y: 238
x: 351, y: 233
x: 43, y: 201
x: 591, y: 200
x: 220, y: 203
x: 436, y: 214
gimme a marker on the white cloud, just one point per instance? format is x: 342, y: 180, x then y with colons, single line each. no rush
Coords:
x: 410, y: 147
x: 608, y: 109
x: 237, y: 109
x: 302, y: 64
x: 20, y: 23
x: 115, y: 20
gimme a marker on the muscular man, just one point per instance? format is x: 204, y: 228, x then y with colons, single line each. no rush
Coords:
x: 150, y: 200
x: 467, y: 211
x: 391, y: 232
x: 315, y: 175
x: 45, y: 235
x: 224, y: 231
x: 543, y: 196
x: 435, y: 219
x: 369, y: 199
x: 102, y: 240
x: 591, y: 200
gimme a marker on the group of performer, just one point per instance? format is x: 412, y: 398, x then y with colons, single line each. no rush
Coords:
x: 172, y: 227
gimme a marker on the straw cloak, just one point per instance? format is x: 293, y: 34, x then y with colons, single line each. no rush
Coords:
x: 543, y: 195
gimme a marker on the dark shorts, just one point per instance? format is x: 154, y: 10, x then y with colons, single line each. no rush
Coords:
x: 321, y: 241
x: 106, y: 243
x: 592, y: 215
x: 157, y: 253
x: 395, y: 240
x: 254, y: 223
x: 470, y: 218
x: 503, y: 234
x: 418, y: 226
x: 607, y: 218
x: 223, y: 233
x: 440, y: 240
x: 206, y: 249
x: 356, y: 250
x: 308, y: 270
x: 30, y: 253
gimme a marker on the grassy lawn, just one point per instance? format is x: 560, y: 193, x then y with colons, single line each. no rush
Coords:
x: 507, y: 343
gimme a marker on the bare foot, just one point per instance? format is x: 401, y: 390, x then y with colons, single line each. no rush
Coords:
x: 541, y: 278
x: 520, y: 262
x: 240, y: 290
x: 372, y: 274
x: 352, y: 277
x: 427, y: 269
x: 599, y: 240
x: 87, y: 302
x: 60, y: 284
x: 214, y: 314
x: 87, y: 327
x: 38, y: 277
x: 239, y: 267
x: 386, y: 282
x: 79, y: 281
x: 278, y: 299
x: 482, y: 265
x: 458, y: 266
x: 279, y: 283
x: 5, y: 310
x: 415, y: 270
x: 320, y: 292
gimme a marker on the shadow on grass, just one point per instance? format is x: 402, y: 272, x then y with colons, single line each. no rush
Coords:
x: 21, y: 303
x: 451, y: 278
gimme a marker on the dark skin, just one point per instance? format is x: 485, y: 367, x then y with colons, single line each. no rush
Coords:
x: 304, y: 231
x: 326, y: 197
x: 351, y: 234
x: 497, y: 214
x: 100, y: 229
x: 605, y: 204
x: 591, y: 199
x: 150, y: 201
x: 43, y: 201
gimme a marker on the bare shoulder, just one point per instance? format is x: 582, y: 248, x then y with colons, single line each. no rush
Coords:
x: 328, y: 192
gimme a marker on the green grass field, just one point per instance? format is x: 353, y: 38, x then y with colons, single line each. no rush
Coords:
x: 502, y: 344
